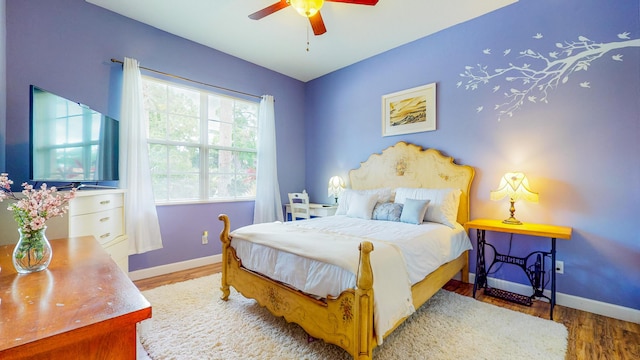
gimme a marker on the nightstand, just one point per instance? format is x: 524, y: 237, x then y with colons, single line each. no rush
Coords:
x: 315, y: 210
x: 533, y: 265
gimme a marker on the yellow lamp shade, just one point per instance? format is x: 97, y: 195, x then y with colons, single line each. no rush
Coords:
x: 515, y: 185
x: 306, y: 8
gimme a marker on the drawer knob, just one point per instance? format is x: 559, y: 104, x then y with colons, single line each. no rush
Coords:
x: 105, y: 235
x: 105, y: 202
x: 105, y: 219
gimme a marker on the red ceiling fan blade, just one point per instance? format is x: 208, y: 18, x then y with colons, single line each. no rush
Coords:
x: 269, y: 10
x: 357, y: 2
x: 317, y: 24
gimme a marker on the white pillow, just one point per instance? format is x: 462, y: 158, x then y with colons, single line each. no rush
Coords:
x: 361, y: 206
x: 344, y: 200
x: 443, y: 207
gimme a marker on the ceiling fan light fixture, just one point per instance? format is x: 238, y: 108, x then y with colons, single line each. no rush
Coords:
x: 306, y: 8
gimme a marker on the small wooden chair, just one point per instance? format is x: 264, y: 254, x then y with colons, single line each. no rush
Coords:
x: 299, y: 205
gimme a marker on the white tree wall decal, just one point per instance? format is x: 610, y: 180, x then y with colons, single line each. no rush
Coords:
x: 533, y: 79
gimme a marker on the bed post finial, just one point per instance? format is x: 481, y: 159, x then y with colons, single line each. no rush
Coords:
x: 226, y: 242
x: 364, y: 344
x: 365, y: 274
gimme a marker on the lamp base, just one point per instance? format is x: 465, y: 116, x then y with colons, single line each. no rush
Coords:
x: 512, y: 221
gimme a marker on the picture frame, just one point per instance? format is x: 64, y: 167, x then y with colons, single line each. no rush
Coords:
x: 409, y: 111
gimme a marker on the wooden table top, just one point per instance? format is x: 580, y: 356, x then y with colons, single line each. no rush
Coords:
x: 544, y: 230
x: 83, y: 292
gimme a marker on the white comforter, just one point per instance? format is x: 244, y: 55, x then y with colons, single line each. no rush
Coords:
x: 304, y: 254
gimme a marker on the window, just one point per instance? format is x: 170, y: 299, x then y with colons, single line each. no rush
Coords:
x: 202, y: 145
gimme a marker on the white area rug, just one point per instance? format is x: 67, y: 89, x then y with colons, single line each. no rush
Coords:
x: 191, y: 322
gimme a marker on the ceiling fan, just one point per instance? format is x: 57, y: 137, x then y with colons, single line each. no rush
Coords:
x: 307, y: 8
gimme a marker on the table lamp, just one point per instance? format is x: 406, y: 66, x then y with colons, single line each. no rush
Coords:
x: 336, y: 185
x: 516, y: 186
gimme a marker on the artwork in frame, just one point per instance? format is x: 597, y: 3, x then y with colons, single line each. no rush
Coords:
x: 409, y: 111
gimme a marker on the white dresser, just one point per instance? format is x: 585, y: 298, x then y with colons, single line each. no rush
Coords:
x: 99, y: 213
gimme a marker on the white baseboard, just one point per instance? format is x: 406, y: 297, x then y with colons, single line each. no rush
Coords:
x: 574, y: 302
x: 178, y: 266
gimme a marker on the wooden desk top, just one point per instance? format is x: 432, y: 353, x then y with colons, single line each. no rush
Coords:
x: 551, y: 231
x: 81, y: 294
x: 317, y: 206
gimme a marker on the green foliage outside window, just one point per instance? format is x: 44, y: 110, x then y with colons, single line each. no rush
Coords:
x: 202, y: 145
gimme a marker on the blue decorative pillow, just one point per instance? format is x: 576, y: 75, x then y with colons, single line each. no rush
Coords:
x: 387, y: 211
x: 413, y: 211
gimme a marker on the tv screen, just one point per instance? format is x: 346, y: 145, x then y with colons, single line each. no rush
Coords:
x: 70, y: 142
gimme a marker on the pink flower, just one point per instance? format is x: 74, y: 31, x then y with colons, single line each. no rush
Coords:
x: 35, y: 207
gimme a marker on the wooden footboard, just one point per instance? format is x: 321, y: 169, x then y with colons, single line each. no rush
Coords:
x: 346, y: 321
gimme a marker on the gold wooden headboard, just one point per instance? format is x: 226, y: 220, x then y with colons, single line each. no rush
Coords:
x: 409, y: 165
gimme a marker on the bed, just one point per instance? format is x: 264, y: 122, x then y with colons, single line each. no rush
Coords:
x: 345, y: 317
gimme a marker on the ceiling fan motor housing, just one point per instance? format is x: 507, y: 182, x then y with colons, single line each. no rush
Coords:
x: 306, y: 8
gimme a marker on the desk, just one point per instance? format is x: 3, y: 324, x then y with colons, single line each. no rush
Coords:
x: 535, y: 271
x: 315, y: 210
x: 82, y: 307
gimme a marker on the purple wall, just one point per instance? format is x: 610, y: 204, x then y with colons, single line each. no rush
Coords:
x: 65, y: 46
x: 580, y: 150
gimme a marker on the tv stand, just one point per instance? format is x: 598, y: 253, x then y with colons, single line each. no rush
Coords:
x: 89, y: 186
x: 99, y: 213
x: 79, y: 186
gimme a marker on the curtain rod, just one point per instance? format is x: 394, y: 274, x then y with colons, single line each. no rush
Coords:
x: 193, y: 81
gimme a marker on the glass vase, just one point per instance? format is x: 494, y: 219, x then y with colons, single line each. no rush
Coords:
x: 32, y: 252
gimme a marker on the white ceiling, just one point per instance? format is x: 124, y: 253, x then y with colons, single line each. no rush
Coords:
x: 279, y: 41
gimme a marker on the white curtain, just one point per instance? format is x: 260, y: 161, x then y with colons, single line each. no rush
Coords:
x: 141, y: 218
x: 268, y: 204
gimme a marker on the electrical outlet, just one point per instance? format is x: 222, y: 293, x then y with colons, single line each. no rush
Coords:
x: 205, y: 237
x: 559, y: 267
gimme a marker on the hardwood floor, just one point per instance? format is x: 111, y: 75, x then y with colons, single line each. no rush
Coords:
x: 591, y: 336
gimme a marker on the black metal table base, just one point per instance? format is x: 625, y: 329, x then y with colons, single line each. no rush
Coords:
x: 535, y: 273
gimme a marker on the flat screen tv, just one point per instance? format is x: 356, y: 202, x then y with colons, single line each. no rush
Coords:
x: 71, y: 144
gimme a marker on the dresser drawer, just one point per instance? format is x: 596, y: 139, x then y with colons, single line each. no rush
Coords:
x: 119, y: 251
x: 95, y: 203
x: 104, y: 226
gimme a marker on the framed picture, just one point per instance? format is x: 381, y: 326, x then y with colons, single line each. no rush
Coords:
x: 409, y: 111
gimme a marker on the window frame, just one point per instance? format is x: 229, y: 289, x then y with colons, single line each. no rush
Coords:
x: 203, y: 146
